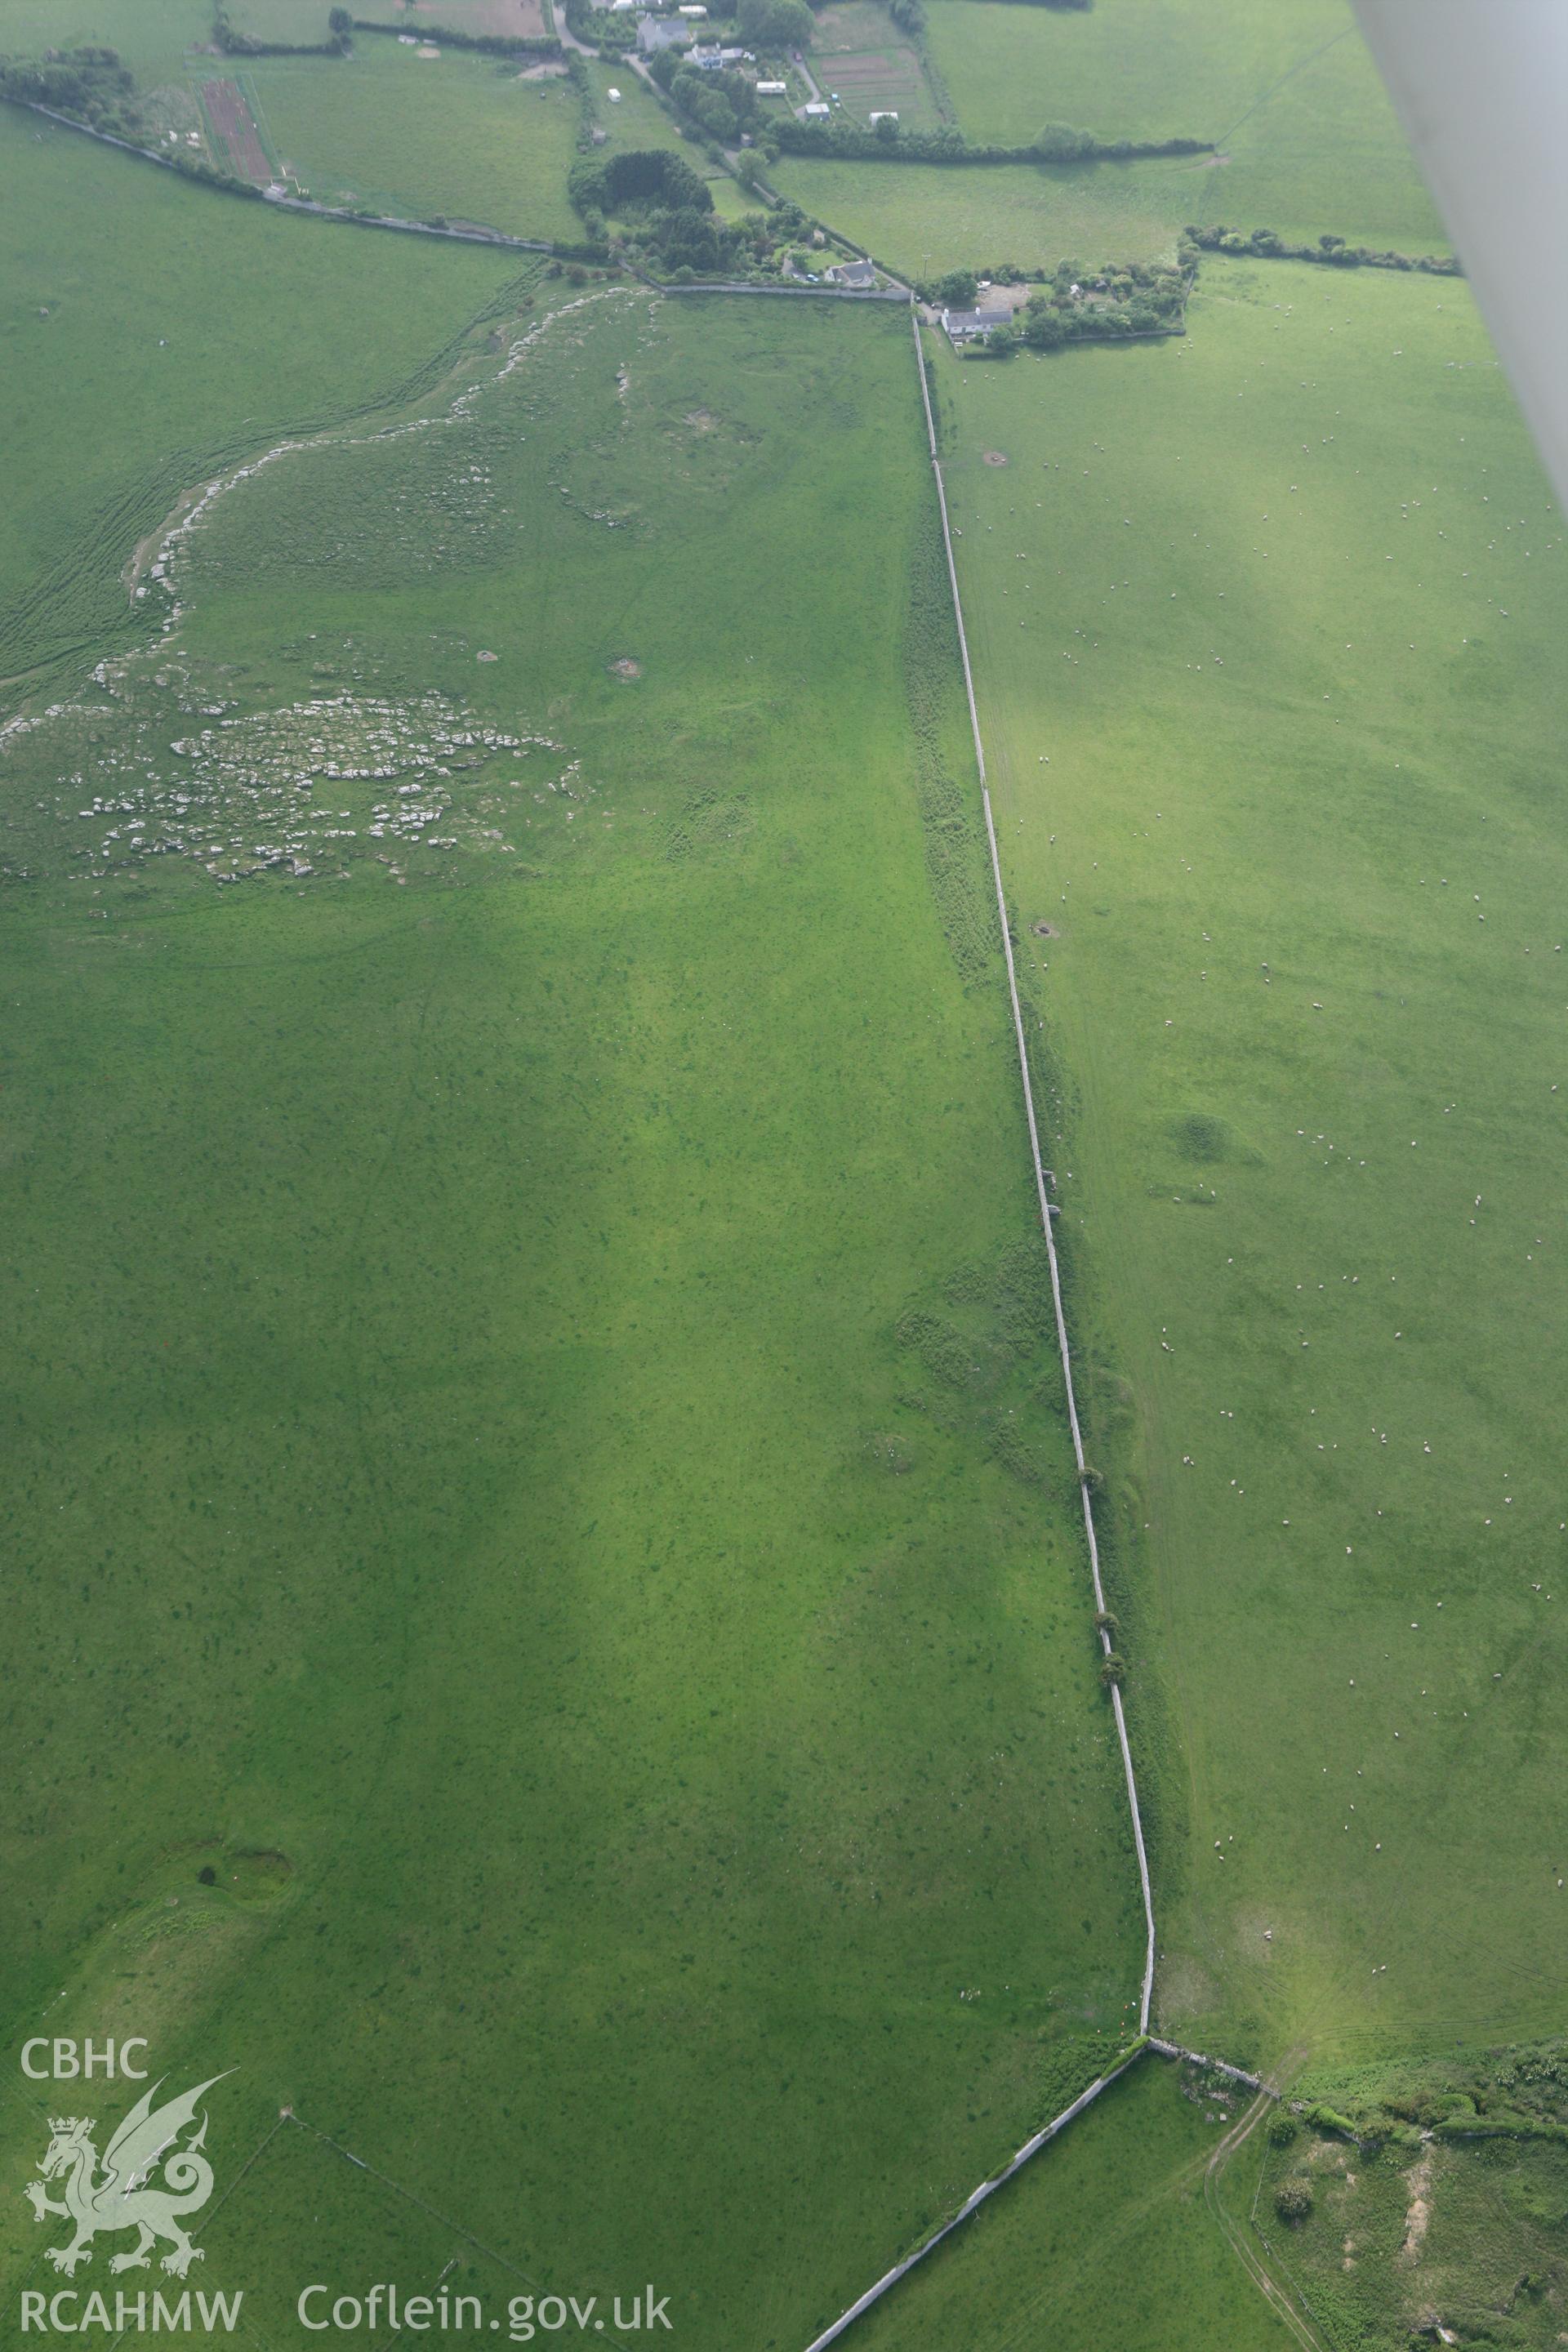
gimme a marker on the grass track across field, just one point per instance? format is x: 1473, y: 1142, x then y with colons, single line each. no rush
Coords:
x: 146, y: 374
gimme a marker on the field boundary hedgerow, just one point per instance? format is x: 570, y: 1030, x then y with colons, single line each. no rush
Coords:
x: 489, y: 45
x: 841, y: 141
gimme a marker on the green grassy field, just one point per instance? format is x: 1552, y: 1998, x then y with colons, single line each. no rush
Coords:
x: 304, y: 21
x: 536, y: 1448
x: 153, y: 37
x: 132, y: 370
x: 923, y: 219
x: 1287, y: 92
x: 454, y: 134
x: 544, y: 1533
x: 637, y: 119
x: 1104, y: 2238
x: 1308, y: 1006
x: 845, y: 27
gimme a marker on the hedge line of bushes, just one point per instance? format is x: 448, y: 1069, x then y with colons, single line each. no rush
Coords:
x: 1268, y: 244
x: 890, y: 142
x: 236, y: 44
x: 89, y: 83
x: 491, y: 45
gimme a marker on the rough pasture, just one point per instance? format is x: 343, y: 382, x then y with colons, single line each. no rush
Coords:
x: 548, y: 1309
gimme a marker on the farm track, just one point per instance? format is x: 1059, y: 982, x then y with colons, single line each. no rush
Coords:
x: 1277, y: 2298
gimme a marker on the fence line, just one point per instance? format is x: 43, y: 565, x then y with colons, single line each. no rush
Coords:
x: 1058, y: 2122
x: 282, y: 202
x: 1148, y: 1987
x: 795, y: 293
x: 1219, y: 2065
x: 977, y: 2197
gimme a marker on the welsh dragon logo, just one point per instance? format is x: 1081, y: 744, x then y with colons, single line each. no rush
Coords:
x: 119, y: 2198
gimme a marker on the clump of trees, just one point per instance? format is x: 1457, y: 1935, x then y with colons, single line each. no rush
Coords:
x: 89, y: 83
x: 723, y: 104
x: 1269, y: 245
x: 664, y: 216
x: 638, y: 179
x: 775, y: 24
x: 1293, y: 2199
x: 1059, y: 142
x: 601, y: 28
x: 1135, y: 298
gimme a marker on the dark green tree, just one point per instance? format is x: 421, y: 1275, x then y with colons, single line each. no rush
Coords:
x: 1059, y: 142
x: 775, y: 24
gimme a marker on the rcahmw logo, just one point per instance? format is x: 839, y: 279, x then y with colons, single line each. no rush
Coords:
x: 119, y: 2191
x: 70, y: 2311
